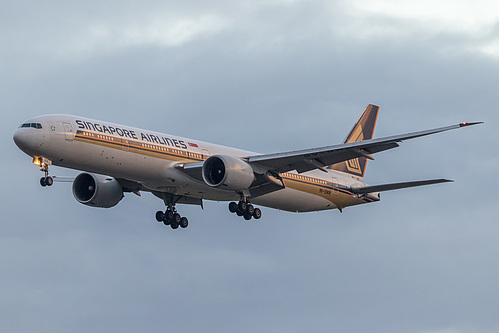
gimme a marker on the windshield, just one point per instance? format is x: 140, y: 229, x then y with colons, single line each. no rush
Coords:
x: 34, y: 125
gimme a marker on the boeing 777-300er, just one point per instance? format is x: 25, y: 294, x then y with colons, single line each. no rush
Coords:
x: 116, y: 159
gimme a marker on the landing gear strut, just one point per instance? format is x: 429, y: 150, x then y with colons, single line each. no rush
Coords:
x: 245, y: 209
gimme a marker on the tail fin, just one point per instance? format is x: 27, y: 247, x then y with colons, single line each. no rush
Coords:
x: 362, y: 130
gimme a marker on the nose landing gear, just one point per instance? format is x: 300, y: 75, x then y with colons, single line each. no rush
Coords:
x: 44, y: 164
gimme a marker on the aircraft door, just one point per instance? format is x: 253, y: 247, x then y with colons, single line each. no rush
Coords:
x: 206, y: 153
x: 334, y: 180
x: 68, y: 131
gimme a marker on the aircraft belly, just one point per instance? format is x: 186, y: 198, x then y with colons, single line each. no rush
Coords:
x: 293, y: 201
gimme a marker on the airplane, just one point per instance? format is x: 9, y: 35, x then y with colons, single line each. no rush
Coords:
x: 117, y: 159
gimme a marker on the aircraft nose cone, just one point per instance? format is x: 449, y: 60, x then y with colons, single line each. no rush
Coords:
x: 18, y: 138
x: 25, y: 141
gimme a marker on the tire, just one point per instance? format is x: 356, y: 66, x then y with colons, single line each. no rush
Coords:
x: 160, y: 216
x: 257, y: 213
x: 174, y: 225
x: 169, y: 215
x: 242, y: 206
x: 43, y: 181
x: 184, y: 222
x: 247, y: 216
x: 176, y: 219
x: 250, y: 210
x: 239, y: 213
x: 233, y: 207
x: 49, y: 180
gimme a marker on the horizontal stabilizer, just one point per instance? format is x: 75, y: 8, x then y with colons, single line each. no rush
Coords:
x: 396, y: 186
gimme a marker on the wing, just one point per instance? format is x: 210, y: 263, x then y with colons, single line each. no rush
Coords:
x: 319, y: 158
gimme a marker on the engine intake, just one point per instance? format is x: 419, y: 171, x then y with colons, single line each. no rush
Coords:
x: 227, y: 173
x: 97, y: 190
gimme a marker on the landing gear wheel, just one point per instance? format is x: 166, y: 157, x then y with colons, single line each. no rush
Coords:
x: 257, y: 213
x: 43, y: 181
x: 247, y: 216
x: 49, y: 181
x: 176, y: 219
x: 160, y: 216
x: 184, y: 222
x: 233, y: 207
x: 174, y: 225
x: 250, y: 210
x: 242, y: 206
x: 169, y: 215
x: 239, y: 213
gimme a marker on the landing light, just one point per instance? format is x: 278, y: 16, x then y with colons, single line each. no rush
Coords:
x: 41, y: 161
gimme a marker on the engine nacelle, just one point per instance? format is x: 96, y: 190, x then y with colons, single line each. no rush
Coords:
x: 97, y: 190
x: 227, y: 173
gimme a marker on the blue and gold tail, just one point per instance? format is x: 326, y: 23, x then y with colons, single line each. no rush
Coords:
x: 362, y: 130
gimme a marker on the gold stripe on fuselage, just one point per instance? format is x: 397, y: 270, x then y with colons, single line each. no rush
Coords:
x: 138, y: 147
x: 341, y: 197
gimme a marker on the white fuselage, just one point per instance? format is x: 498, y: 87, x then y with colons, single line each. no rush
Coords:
x: 149, y: 158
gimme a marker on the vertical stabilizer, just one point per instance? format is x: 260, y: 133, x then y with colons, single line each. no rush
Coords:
x: 362, y: 130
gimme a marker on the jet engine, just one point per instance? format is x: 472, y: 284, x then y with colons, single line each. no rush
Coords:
x: 97, y: 190
x: 227, y: 173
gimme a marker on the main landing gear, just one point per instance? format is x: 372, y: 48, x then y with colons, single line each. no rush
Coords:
x: 245, y: 209
x: 172, y: 218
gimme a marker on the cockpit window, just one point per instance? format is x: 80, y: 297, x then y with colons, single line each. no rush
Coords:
x: 34, y: 125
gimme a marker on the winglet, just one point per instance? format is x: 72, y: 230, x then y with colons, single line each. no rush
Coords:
x: 470, y: 124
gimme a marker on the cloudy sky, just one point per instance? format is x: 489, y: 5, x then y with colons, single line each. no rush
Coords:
x: 265, y: 76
